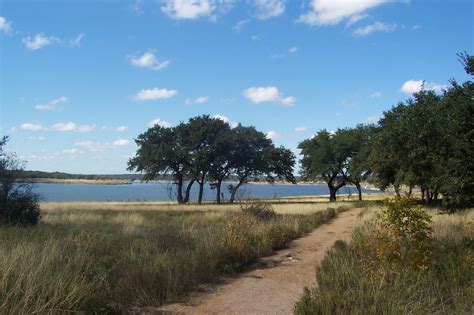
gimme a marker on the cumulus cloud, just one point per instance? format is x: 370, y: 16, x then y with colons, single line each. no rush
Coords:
x: 197, y: 100
x: 273, y: 135
x: 188, y: 9
x: 52, y: 105
x: 149, y: 61
x: 39, y: 41
x: 267, y: 9
x: 375, y: 27
x: 97, y: 146
x: 122, y: 128
x: 159, y: 122
x: 331, y: 12
x: 300, y: 129
x: 154, y: 94
x: 70, y: 126
x: 415, y: 86
x: 268, y: 94
x: 32, y: 127
x: 226, y: 120
x: 5, y: 25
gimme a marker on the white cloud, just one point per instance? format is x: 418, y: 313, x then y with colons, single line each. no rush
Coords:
x: 300, y: 129
x: 39, y: 41
x: 226, y: 120
x: 375, y: 94
x: 149, y: 61
x: 239, y: 25
x: 39, y: 138
x: 70, y: 151
x: 97, y: 146
x: 373, y: 119
x: 331, y: 12
x: 293, y: 50
x: 154, y: 94
x: 52, y: 105
x: 198, y: 100
x: 122, y: 128
x: 160, y: 123
x: 374, y: 27
x: 269, y: 8
x: 76, y: 42
x: 356, y: 18
x: 268, y: 94
x: 415, y: 86
x: 121, y: 143
x: 188, y: 9
x: 85, y: 128
x: 273, y: 135
x: 5, y: 26
x: 32, y: 127
x: 70, y: 126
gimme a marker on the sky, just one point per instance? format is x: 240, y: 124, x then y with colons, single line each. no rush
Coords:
x: 79, y: 80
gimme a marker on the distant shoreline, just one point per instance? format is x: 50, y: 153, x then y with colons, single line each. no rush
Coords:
x: 76, y: 181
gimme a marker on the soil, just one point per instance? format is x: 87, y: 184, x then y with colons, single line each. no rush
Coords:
x: 276, y: 282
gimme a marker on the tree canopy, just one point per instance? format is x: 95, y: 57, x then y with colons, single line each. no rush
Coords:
x: 208, y: 150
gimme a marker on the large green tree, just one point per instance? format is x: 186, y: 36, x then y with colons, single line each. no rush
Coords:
x: 324, y: 159
x: 163, y: 151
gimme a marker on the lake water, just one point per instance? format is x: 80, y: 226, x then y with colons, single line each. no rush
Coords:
x: 161, y: 191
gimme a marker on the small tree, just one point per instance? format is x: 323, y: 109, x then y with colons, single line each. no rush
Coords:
x: 18, y: 203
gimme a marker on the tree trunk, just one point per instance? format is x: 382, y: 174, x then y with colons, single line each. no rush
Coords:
x: 397, y: 191
x: 332, y: 193
x: 188, y: 191
x: 201, y: 187
x: 410, y: 190
x: 218, y: 191
x: 179, y: 186
x: 234, y: 191
x: 359, y: 190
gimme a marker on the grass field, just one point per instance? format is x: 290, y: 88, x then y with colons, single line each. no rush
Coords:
x: 109, y: 257
x: 358, y: 278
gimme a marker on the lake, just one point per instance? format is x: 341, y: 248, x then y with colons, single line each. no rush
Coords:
x: 160, y: 191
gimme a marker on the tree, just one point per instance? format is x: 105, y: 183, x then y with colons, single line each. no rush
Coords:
x: 324, y: 159
x: 162, y: 151
x: 359, y: 142
x: 255, y: 156
x: 18, y: 202
x: 467, y: 61
x: 201, y: 137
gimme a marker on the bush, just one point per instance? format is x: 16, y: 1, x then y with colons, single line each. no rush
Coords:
x: 18, y: 204
x: 259, y: 210
x: 353, y: 279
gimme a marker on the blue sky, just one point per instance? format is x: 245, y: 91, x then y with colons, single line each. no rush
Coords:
x: 81, y: 79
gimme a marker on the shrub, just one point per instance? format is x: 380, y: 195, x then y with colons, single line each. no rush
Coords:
x: 259, y: 210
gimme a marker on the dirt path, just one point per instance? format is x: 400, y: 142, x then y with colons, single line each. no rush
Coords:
x: 277, y: 284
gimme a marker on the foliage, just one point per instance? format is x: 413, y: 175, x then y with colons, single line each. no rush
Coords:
x: 403, y: 236
x: 18, y: 203
x: 259, y: 210
x: 352, y: 279
x: 208, y: 149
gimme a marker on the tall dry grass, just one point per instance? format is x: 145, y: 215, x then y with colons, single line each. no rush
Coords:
x: 355, y: 279
x: 107, y: 258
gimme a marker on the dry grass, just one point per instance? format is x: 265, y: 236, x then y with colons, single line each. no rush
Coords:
x: 354, y: 279
x: 108, y: 257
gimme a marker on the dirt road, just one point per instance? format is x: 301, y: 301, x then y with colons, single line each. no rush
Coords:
x: 279, y: 280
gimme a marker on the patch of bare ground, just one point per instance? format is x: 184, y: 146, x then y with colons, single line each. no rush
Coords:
x: 275, y: 283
